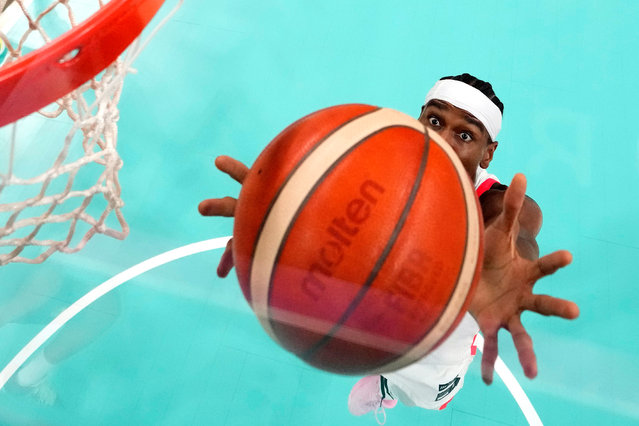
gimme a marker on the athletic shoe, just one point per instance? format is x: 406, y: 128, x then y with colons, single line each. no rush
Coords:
x: 369, y: 394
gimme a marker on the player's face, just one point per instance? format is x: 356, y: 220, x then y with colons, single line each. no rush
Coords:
x: 463, y: 132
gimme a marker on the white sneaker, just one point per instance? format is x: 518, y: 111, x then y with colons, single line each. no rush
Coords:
x: 369, y: 394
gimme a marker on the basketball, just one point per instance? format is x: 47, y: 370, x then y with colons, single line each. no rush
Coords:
x: 358, y: 239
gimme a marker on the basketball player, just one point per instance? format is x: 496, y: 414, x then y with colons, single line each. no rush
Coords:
x: 467, y: 114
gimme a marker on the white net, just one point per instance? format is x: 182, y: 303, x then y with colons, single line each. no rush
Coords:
x: 59, y: 167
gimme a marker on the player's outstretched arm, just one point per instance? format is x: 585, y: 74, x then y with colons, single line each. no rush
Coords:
x: 225, y: 206
x: 505, y: 288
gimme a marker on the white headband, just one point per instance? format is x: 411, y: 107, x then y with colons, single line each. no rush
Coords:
x: 468, y: 98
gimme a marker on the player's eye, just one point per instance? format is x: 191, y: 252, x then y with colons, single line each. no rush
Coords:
x: 434, y: 121
x: 465, y: 136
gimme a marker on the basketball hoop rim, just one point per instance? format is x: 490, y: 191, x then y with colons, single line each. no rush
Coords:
x: 39, y: 78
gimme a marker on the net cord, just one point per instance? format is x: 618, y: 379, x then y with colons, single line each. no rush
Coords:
x: 96, y: 120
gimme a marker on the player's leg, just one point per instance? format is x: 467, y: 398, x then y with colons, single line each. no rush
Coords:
x: 429, y: 383
x: 371, y: 393
x: 434, y: 380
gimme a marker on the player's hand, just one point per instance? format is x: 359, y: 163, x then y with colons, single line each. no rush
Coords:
x: 225, y: 206
x: 504, y: 291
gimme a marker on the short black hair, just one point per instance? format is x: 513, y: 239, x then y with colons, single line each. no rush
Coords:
x: 482, y: 86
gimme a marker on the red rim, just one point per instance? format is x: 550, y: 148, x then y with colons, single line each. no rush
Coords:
x: 39, y: 78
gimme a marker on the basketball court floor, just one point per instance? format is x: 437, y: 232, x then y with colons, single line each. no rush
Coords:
x: 178, y: 346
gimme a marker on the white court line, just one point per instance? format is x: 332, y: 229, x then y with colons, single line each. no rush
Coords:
x: 100, y: 291
x: 513, y: 386
x: 501, y: 369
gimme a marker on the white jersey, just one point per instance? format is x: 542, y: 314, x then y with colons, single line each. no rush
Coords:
x: 484, y: 181
x: 435, y: 379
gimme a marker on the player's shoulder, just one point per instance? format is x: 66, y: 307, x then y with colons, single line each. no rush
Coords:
x: 485, y: 181
x: 497, y: 191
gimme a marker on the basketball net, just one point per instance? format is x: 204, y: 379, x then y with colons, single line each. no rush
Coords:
x: 58, y: 208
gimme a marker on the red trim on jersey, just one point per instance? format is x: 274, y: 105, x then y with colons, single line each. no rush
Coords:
x: 473, y: 346
x: 485, y: 186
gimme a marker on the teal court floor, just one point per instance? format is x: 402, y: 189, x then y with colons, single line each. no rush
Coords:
x: 179, y: 346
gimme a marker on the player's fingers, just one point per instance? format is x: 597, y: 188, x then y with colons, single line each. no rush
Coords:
x: 236, y: 169
x: 552, y: 306
x: 513, y: 202
x: 226, y: 261
x: 489, y: 356
x: 218, y: 207
x: 524, y: 345
x: 550, y: 263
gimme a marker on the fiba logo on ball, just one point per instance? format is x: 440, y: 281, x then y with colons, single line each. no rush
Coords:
x: 358, y: 240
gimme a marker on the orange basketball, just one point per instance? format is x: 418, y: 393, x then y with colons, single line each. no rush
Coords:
x: 358, y: 239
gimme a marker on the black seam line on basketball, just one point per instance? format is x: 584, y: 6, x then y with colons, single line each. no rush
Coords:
x: 380, y: 260
x: 297, y: 166
x: 439, y: 318
x: 310, y: 193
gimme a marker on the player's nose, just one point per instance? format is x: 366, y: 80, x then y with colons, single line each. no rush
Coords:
x: 449, y: 136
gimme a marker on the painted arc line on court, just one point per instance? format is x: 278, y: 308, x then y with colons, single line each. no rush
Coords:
x: 79, y: 305
x: 513, y: 386
x: 100, y: 291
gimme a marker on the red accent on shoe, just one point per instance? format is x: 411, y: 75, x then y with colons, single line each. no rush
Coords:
x: 444, y: 406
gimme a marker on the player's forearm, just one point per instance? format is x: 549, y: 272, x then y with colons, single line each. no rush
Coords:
x: 530, y: 221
